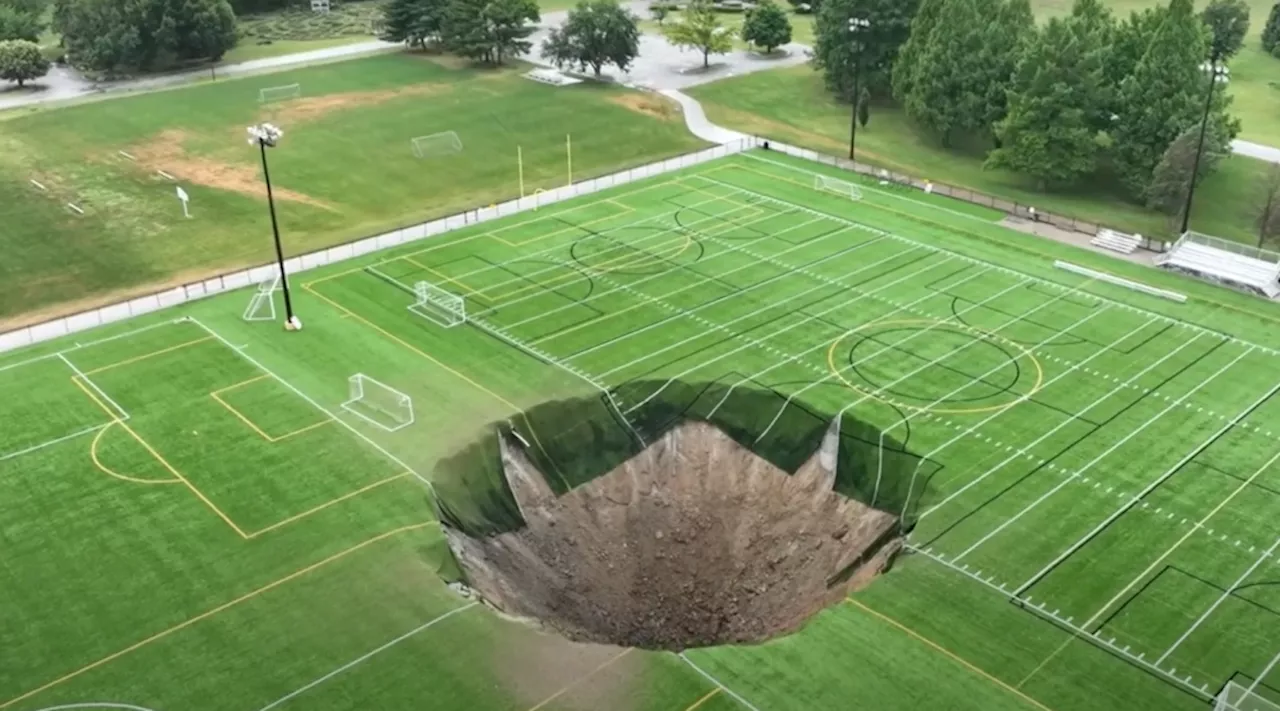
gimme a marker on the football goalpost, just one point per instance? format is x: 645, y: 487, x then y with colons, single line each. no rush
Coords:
x: 436, y: 145
x: 437, y: 305
x: 262, y: 305
x: 840, y: 187
x: 272, y: 94
x: 377, y: 403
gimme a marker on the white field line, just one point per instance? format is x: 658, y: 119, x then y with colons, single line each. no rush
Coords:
x: 1043, y: 387
x: 788, y: 357
x: 912, y: 486
x: 363, y: 437
x: 1234, y: 586
x: 52, y: 442
x: 1078, y: 472
x: 666, y: 232
x: 659, y: 275
x: 95, y: 705
x: 720, y: 685
x: 123, y: 414
x: 1007, y: 270
x: 366, y: 657
x: 684, y: 313
x: 1266, y: 671
x: 87, y: 344
x: 1023, y: 450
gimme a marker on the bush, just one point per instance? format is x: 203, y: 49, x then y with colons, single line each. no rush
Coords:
x: 21, y: 61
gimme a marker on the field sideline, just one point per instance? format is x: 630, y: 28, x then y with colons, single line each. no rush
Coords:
x: 189, y: 502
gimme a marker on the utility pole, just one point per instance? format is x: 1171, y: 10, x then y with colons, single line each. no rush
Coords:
x: 857, y: 26
x: 266, y: 136
x: 1215, y: 69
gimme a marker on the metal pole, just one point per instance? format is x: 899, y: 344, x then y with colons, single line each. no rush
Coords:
x: 853, y: 123
x: 1195, y: 165
x: 275, y: 231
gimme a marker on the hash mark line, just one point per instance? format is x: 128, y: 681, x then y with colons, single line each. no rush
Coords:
x: 1234, y: 586
x: 719, y: 684
x: 367, y: 656
x: 1157, y: 482
x: 121, y: 413
x: 52, y: 442
x: 1064, y: 423
x: 1048, y: 494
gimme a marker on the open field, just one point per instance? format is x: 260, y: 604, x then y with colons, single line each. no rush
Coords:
x: 191, y: 514
x: 344, y: 170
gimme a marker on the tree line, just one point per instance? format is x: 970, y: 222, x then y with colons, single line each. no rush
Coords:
x: 1081, y: 98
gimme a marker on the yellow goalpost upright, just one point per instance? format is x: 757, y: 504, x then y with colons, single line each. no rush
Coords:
x: 568, y: 155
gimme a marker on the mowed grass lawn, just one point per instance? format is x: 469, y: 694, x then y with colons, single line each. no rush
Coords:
x: 344, y: 169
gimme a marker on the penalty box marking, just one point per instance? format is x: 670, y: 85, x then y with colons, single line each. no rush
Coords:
x: 217, y: 397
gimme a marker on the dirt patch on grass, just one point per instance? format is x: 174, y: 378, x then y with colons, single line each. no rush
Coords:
x: 545, y: 670
x: 694, y: 541
x: 310, y: 108
x: 651, y: 105
x: 167, y: 152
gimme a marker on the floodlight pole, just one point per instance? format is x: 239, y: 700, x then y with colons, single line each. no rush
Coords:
x: 1215, y: 69
x: 266, y: 136
x: 856, y: 26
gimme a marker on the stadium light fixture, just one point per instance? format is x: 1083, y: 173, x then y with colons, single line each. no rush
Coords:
x: 857, y: 26
x: 264, y: 136
x: 1218, y: 72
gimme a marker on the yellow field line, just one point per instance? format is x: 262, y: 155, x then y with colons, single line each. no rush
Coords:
x: 145, y: 356
x: 411, y: 347
x: 240, y: 416
x: 579, y: 681
x: 703, y: 700
x: 210, y: 613
x: 948, y: 653
x: 158, y: 458
x: 302, y: 430
x: 216, y: 395
x: 93, y: 454
x: 241, y: 384
x: 626, y: 210
x: 409, y: 258
x: 326, y: 505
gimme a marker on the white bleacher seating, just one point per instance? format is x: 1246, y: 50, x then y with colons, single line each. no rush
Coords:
x: 1224, y: 265
x: 552, y: 77
x: 1116, y: 241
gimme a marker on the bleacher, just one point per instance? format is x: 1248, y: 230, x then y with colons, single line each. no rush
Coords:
x: 546, y: 75
x: 1116, y: 241
x: 1233, y: 264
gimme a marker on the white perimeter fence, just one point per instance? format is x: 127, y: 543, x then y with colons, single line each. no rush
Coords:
x: 237, y: 280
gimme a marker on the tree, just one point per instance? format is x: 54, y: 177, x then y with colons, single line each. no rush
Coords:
x: 17, y: 24
x: 413, y: 22
x: 1171, y: 179
x: 1095, y: 28
x: 21, y: 61
x: 1162, y: 98
x: 1002, y: 47
x: 700, y: 29
x: 116, y: 35
x: 1048, y: 133
x: 833, y: 53
x: 950, y: 91
x: 596, y: 33
x: 1271, y: 33
x: 489, y: 30
x: 767, y: 26
x: 1228, y: 21
x: 1268, y: 220
x: 911, y: 55
x: 864, y: 107
x: 659, y: 11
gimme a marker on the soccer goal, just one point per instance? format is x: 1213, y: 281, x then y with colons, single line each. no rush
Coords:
x: 1237, y: 697
x: 262, y: 305
x: 437, y: 305
x: 378, y: 403
x: 435, y: 145
x: 840, y: 187
x: 272, y: 94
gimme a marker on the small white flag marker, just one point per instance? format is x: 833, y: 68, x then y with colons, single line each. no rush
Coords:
x: 185, y: 198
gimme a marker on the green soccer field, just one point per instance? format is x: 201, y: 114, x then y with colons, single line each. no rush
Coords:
x: 200, y: 513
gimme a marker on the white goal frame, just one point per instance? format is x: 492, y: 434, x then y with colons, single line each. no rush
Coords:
x: 272, y: 94
x: 844, y: 188
x: 358, y: 389
x: 445, y: 143
x: 262, y: 305
x: 441, y: 307
x: 1238, y: 697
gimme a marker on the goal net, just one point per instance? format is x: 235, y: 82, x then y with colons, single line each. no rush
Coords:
x: 437, y: 144
x: 378, y: 403
x: 437, y: 305
x: 272, y: 94
x: 262, y: 305
x: 1237, y: 697
x: 840, y: 187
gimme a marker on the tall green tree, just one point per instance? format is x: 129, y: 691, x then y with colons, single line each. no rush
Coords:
x: 1095, y: 27
x: 1271, y: 32
x: 1171, y: 180
x: 595, y: 34
x: 834, y: 48
x: 489, y: 30
x: 766, y: 26
x: 1163, y: 97
x: 17, y: 24
x: 21, y: 61
x: 1049, y: 133
x: 1006, y: 38
x: 912, y: 53
x: 700, y: 29
x: 1228, y: 21
x: 1130, y: 42
x: 413, y: 22
x: 127, y: 35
